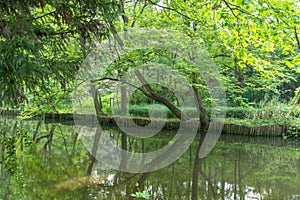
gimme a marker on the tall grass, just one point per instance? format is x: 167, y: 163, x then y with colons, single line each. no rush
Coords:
x: 265, y: 113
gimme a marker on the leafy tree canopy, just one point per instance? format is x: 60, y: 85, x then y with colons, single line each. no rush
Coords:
x: 43, y: 42
x: 254, y: 43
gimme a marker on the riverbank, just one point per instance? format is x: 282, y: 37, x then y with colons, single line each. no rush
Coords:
x: 88, y: 119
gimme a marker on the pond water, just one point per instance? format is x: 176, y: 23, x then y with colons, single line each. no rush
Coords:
x: 58, y: 166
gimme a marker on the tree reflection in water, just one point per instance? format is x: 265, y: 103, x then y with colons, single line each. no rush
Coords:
x: 57, y: 166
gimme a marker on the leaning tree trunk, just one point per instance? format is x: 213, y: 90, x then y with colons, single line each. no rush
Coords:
x: 149, y: 92
x: 203, y: 118
x: 97, y: 102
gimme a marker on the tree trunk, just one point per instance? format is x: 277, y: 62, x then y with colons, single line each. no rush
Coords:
x: 123, y: 100
x: 151, y: 94
x: 97, y: 103
x: 203, y: 118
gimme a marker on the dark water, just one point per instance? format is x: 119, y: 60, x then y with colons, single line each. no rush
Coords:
x: 57, y: 166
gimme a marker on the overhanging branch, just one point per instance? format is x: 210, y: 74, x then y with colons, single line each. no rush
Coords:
x: 151, y: 94
x: 297, y: 38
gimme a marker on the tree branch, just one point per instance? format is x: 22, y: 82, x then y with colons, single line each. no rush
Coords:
x: 174, y: 10
x: 42, y: 137
x: 151, y: 94
x: 297, y: 38
x: 141, y: 12
x: 44, y: 15
x: 105, y: 78
x: 231, y: 9
x: 115, y: 34
x: 221, y: 55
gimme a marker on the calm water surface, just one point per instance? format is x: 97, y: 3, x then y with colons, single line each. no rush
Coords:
x: 58, y: 166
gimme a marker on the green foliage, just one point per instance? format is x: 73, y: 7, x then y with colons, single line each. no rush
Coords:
x: 293, y: 131
x: 244, y: 38
x: 25, y: 159
x: 42, y: 43
x: 237, y: 112
x: 254, y: 44
x: 266, y: 113
x: 143, y: 110
x: 296, y: 99
x: 142, y: 195
x: 55, y: 100
x: 14, y: 139
x: 11, y: 141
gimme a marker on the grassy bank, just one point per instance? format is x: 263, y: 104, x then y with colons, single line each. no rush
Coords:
x: 250, y: 120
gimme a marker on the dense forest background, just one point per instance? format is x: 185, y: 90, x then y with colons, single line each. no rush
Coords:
x: 255, y: 46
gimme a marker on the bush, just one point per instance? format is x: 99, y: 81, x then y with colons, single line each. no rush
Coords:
x: 143, y: 111
x: 158, y: 111
x: 275, y: 112
x: 237, y: 112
